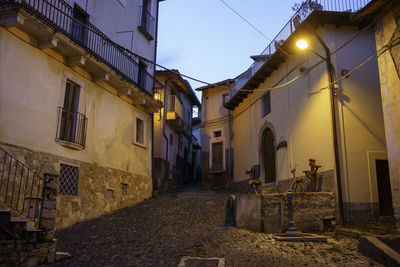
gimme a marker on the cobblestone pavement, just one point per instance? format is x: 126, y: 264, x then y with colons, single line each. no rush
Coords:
x: 189, y: 222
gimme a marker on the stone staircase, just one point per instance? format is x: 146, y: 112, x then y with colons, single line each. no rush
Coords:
x: 16, y: 229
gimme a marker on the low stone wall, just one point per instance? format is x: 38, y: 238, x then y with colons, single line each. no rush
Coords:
x: 100, y: 189
x: 311, y: 211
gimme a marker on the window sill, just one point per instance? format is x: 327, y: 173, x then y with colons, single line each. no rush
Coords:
x: 145, y: 33
x: 68, y: 144
x: 215, y: 171
x: 139, y: 145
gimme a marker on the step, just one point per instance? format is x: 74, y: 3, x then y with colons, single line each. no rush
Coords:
x: 32, y: 234
x: 17, y: 227
x: 5, y: 217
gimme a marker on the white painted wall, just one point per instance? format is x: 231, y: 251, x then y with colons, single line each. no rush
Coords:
x: 31, y: 89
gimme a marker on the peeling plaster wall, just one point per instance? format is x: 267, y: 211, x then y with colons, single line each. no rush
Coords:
x: 388, y: 28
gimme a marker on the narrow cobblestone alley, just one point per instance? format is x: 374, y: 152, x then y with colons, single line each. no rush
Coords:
x: 189, y: 222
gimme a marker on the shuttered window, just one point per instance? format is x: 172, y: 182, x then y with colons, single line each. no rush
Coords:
x: 217, y: 156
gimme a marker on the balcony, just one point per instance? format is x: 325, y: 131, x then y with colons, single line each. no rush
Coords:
x: 175, y: 113
x: 146, y: 23
x: 71, y: 129
x: 53, y: 26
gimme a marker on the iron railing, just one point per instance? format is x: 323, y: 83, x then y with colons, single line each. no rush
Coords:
x: 147, y: 22
x: 71, y: 127
x: 20, y: 187
x: 59, y: 15
x: 300, y: 15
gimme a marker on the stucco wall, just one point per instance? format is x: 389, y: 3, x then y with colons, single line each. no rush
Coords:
x: 388, y: 29
x: 32, y: 86
x: 214, y: 118
x: 301, y: 115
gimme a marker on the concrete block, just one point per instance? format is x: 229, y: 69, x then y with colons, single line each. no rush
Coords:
x: 248, y: 212
x: 374, y: 248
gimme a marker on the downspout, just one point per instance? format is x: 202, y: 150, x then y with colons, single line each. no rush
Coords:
x: 154, y: 83
x: 333, y: 95
x: 230, y: 180
x: 163, y: 125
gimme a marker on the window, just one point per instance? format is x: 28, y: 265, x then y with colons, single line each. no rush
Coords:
x: 124, y: 189
x: 225, y: 98
x: 71, y: 127
x: 171, y: 139
x: 79, y: 25
x: 146, y: 20
x: 217, y: 134
x: 217, y: 156
x: 110, y: 193
x: 69, y: 177
x: 139, y: 131
x: 266, y: 104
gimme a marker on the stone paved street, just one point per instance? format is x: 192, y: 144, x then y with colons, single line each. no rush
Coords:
x: 189, y: 222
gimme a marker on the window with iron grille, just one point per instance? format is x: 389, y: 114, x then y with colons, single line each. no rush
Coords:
x: 69, y: 177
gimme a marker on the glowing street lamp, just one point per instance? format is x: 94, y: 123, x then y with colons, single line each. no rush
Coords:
x: 157, y: 96
x: 302, y: 44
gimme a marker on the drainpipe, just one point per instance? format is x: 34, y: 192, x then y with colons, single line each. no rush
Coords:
x: 163, y: 125
x: 230, y: 180
x: 333, y: 95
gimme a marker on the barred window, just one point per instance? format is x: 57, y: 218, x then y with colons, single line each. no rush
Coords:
x: 69, y: 177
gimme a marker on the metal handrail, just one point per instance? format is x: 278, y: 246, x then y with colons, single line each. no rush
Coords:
x: 302, y: 14
x: 71, y: 127
x: 20, y: 187
x: 58, y: 14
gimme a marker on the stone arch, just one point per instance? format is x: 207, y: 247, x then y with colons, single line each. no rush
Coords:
x: 268, y: 154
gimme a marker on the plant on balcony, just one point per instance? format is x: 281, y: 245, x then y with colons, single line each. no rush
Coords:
x: 306, y: 7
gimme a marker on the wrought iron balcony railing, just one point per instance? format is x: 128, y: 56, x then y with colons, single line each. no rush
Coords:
x: 300, y: 15
x: 147, y: 23
x: 71, y: 128
x: 59, y: 15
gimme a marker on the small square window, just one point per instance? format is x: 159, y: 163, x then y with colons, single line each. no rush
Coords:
x: 69, y: 177
x: 266, y: 104
x: 124, y: 189
x: 110, y: 193
x: 217, y: 134
x: 225, y: 98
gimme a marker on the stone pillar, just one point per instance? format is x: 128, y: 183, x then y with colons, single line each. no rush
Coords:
x: 48, y: 216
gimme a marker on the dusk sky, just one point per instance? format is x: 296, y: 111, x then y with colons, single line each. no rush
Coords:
x: 207, y: 40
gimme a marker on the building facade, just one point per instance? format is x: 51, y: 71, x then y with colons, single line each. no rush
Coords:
x: 307, y: 105
x: 76, y: 98
x: 175, y: 146
x: 217, y: 156
x: 386, y: 18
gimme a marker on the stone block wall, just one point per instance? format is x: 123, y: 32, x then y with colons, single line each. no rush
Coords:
x: 310, y: 211
x: 100, y: 189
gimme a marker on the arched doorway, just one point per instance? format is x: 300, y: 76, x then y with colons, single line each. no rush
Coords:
x: 268, y: 155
